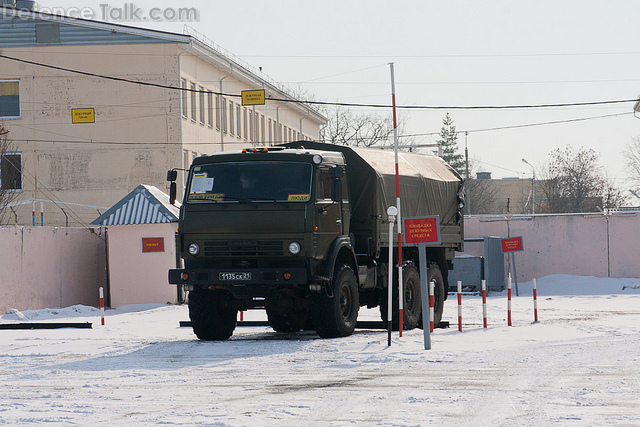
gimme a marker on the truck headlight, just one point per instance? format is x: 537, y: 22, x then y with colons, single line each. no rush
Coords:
x: 294, y: 248
x: 194, y: 249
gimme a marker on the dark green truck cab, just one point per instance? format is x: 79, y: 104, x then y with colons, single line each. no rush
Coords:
x: 300, y: 231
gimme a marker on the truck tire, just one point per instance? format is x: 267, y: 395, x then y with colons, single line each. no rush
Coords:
x: 434, y: 273
x: 292, y: 322
x: 412, y: 304
x: 335, y: 313
x: 212, y: 315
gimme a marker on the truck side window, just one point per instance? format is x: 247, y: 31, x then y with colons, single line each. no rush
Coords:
x: 324, y: 184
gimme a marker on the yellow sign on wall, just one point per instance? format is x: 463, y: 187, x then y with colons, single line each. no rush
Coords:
x: 83, y: 115
x: 253, y: 97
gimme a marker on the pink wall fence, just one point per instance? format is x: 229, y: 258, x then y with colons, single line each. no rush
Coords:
x: 593, y: 244
x: 44, y: 267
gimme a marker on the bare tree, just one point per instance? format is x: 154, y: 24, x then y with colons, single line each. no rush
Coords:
x: 573, y: 181
x: 363, y: 130
x: 631, y: 155
x: 10, y: 174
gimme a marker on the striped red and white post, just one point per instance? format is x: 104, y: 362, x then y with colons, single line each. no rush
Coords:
x: 399, y: 217
x: 535, y: 302
x: 509, y: 301
x: 41, y: 214
x: 431, y: 305
x: 33, y: 213
x: 484, y: 304
x: 101, y: 305
x: 459, y: 305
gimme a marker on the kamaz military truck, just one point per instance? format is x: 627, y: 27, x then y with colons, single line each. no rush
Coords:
x: 301, y: 231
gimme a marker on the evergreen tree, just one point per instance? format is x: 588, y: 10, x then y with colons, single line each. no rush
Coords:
x: 448, y: 143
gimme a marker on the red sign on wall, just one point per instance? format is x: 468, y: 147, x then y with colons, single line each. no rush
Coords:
x: 512, y: 244
x: 152, y: 244
x: 422, y: 230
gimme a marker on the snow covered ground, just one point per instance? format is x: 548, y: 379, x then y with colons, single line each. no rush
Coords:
x: 579, y: 366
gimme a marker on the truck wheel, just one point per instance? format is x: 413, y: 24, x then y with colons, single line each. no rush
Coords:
x: 412, y: 304
x: 335, y: 313
x: 212, y: 315
x: 291, y: 322
x: 434, y: 273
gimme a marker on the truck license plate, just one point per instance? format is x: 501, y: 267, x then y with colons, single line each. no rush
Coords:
x: 235, y: 276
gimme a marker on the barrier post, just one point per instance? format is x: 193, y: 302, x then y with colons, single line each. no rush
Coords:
x: 535, y: 302
x: 459, y: 305
x: 509, y: 301
x: 484, y: 304
x: 431, y: 304
x: 101, y: 305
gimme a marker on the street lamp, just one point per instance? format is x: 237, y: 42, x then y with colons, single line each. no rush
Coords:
x: 533, y: 187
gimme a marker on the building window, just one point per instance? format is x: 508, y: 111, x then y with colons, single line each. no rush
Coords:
x: 217, y: 112
x: 262, y: 132
x: 245, y: 123
x: 252, y: 135
x: 183, y: 98
x: 239, y: 117
x: 193, y: 101
x: 230, y: 117
x: 11, y: 171
x: 9, y: 99
x: 47, y: 33
x: 201, y: 97
x: 223, y: 114
x: 210, y: 110
x: 270, y: 131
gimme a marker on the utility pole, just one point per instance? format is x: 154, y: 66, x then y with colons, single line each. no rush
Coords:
x: 466, y: 181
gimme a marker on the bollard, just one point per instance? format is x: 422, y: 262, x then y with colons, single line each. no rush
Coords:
x: 102, y: 305
x: 484, y: 304
x: 431, y: 305
x: 459, y: 306
x: 509, y: 301
x: 535, y: 302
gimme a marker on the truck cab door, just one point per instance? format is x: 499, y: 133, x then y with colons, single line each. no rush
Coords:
x: 328, y: 219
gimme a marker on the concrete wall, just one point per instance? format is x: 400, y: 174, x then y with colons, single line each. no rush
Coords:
x: 137, y: 277
x: 582, y: 244
x: 51, y: 267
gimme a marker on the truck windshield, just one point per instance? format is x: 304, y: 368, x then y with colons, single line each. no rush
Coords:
x: 255, y: 181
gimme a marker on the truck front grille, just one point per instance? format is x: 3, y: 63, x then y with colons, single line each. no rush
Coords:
x: 243, y: 248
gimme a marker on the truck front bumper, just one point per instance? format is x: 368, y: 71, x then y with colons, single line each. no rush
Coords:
x: 235, y: 277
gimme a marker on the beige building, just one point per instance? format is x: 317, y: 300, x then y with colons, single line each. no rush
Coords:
x: 94, y: 109
x: 502, y: 196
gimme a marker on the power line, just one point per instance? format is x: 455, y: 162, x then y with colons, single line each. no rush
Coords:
x: 339, y: 104
x: 524, y: 125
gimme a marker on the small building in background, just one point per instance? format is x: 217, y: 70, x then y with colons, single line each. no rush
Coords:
x: 140, y: 248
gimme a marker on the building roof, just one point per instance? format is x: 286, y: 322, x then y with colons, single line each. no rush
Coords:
x: 146, y: 204
x: 19, y: 30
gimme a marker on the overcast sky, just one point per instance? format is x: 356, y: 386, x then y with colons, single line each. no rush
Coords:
x: 447, y: 53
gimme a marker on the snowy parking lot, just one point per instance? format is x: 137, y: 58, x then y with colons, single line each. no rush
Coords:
x: 580, y: 365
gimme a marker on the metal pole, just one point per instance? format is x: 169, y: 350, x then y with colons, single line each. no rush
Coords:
x: 391, y: 212
x: 424, y: 295
x: 395, y: 140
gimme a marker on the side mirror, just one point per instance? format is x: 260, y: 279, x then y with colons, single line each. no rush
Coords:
x: 172, y: 175
x: 173, y: 189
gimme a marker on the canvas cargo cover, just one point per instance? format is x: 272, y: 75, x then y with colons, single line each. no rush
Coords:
x: 428, y: 186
